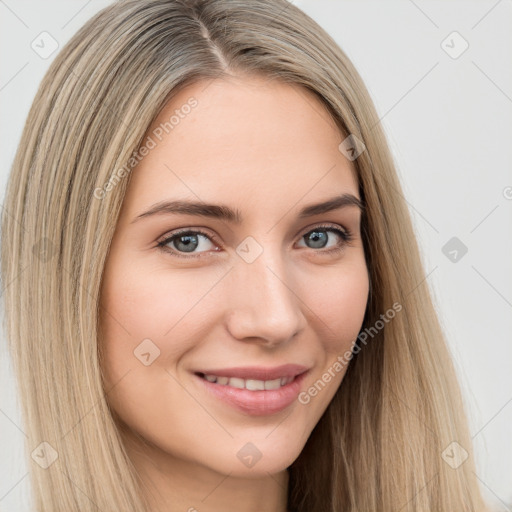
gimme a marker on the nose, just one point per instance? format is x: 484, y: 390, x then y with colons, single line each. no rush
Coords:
x: 264, y: 307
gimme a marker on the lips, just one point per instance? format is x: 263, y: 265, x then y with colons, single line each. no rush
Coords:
x: 254, y: 390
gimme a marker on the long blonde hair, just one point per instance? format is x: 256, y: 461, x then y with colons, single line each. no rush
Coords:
x: 379, y: 445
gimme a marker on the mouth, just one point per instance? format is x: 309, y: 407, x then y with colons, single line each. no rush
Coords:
x: 254, y: 390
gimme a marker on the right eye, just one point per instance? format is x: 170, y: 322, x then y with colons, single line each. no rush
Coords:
x: 185, y: 241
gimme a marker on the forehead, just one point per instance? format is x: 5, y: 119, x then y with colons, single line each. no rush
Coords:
x: 249, y: 140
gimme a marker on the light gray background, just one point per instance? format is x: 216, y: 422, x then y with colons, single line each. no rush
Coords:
x: 448, y: 121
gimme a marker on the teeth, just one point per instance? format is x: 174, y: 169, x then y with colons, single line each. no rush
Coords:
x: 254, y: 385
x: 235, y: 382
x: 273, y: 384
x: 250, y: 384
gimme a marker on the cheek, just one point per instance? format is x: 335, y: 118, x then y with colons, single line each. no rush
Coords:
x: 338, y: 305
x: 148, y: 303
x: 344, y: 308
x: 339, y: 309
x: 142, y: 337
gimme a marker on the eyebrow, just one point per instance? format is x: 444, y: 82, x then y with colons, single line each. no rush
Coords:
x: 223, y: 212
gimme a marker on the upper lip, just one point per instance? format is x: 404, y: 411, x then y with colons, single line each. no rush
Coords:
x: 257, y: 372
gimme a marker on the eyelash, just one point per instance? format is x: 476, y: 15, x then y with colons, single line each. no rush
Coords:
x: 345, y: 235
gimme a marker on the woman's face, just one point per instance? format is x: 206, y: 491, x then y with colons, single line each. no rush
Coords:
x: 251, y: 299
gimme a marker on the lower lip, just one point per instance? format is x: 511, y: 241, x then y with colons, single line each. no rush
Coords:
x: 256, y: 403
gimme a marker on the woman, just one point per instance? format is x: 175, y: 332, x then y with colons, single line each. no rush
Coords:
x: 214, y: 297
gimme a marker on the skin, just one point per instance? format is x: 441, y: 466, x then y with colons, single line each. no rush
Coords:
x: 268, y: 149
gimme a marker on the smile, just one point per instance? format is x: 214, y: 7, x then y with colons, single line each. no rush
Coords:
x: 256, y: 391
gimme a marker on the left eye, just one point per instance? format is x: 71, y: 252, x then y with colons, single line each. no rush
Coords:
x: 318, y: 236
x: 190, y: 240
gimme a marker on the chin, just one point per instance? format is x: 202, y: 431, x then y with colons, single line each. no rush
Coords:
x: 263, y: 454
